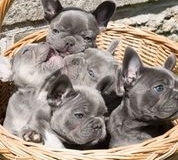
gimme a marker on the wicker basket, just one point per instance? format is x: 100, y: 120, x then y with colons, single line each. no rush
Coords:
x: 153, y: 50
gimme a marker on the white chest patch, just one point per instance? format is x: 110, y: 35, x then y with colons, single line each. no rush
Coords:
x: 52, y: 141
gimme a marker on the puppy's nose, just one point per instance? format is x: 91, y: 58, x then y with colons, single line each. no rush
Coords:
x: 97, y: 124
x: 69, y: 42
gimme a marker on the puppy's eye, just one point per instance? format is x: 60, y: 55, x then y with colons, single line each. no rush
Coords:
x: 55, y: 31
x: 25, y: 51
x: 91, y: 73
x: 159, y: 88
x: 71, y: 94
x: 88, y: 39
x: 79, y: 115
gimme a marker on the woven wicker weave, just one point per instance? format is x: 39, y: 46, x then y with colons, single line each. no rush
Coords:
x: 153, y: 50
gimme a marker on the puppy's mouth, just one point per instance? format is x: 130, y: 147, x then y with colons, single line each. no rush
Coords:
x: 50, y: 54
x: 63, y: 54
x: 67, y: 52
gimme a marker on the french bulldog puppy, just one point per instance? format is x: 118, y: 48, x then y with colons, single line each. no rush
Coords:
x: 149, y: 104
x: 58, y: 114
x: 90, y: 67
x: 72, y: 29
x: 31, y: 65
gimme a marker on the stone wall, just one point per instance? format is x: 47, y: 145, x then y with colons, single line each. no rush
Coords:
x: 159, y: 16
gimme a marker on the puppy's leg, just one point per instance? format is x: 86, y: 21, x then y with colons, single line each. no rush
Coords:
x: 34, y: 129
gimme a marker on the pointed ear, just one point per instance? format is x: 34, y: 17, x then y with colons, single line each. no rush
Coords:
x: 6, y: 73
x: 51, y: 8
x: 131, y: 66
x: 105, y: 85
x: 57, y: 88
x: 112, y: 47
x: 104, y: 12
x: 170, y: 62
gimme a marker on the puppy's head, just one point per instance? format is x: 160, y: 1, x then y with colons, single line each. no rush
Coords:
x: 72, y: 30
x: 77, y: 111
x: 33, y: 63
x: 92, y: 66
x: 152, y: 91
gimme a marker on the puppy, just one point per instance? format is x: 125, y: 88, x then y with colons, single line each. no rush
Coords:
x: 150, y: 102
x: 31, y: 65
x: 58, y: 114
x: 72, y: 30
x: 90, y: 67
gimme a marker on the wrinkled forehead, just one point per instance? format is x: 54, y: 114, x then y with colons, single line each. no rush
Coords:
x: 95, y: 105
x: 100, y: 58
x: 76, y: 20
x: 160, y: 75
x: 34, y: 48
x: 28, y: 46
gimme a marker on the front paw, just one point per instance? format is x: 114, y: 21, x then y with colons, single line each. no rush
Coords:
x: 33, y: 136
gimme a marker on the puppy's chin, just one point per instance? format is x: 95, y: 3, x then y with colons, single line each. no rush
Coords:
x: 53, y: 63
x: 89, y: 133
x: 59, y: 45
x: 64, y: 54
x: 169, y: 116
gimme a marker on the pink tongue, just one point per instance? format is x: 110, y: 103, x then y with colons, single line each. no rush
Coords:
x: 57, y: 60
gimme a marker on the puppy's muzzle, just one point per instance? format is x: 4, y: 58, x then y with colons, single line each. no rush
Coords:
x: 69, y: 42
x: 175, y: 94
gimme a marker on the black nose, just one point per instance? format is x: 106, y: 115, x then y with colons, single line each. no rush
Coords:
x: 69, y: 42
x: 97, y: 124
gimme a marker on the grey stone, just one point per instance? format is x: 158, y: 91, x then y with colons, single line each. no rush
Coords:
x: 169, y: 25
x: 173, y: 37
x: 165, y: 23
x: 22, y: 10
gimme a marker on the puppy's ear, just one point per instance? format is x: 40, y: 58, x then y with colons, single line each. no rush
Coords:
x: 131, y: 66
x: 57, y: 88
x: 104, y: 12
x: 105, y: 85
x: 5, y: 69
x: 170, y: 62
x: 112, y: 47
x: 51, y: 8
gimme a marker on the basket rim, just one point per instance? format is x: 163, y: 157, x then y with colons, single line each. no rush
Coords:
x: 112, y: 26
x: 159, y: 147
x: 142, y: 32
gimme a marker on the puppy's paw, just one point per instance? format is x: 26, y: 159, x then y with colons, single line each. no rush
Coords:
x: 33, y: 136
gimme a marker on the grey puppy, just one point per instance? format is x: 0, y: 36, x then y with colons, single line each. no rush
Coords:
x: 91, y: 66
x: 150, y: 102
x: 59, y: 113
x: 31, y: 65
x: 73, y: 29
